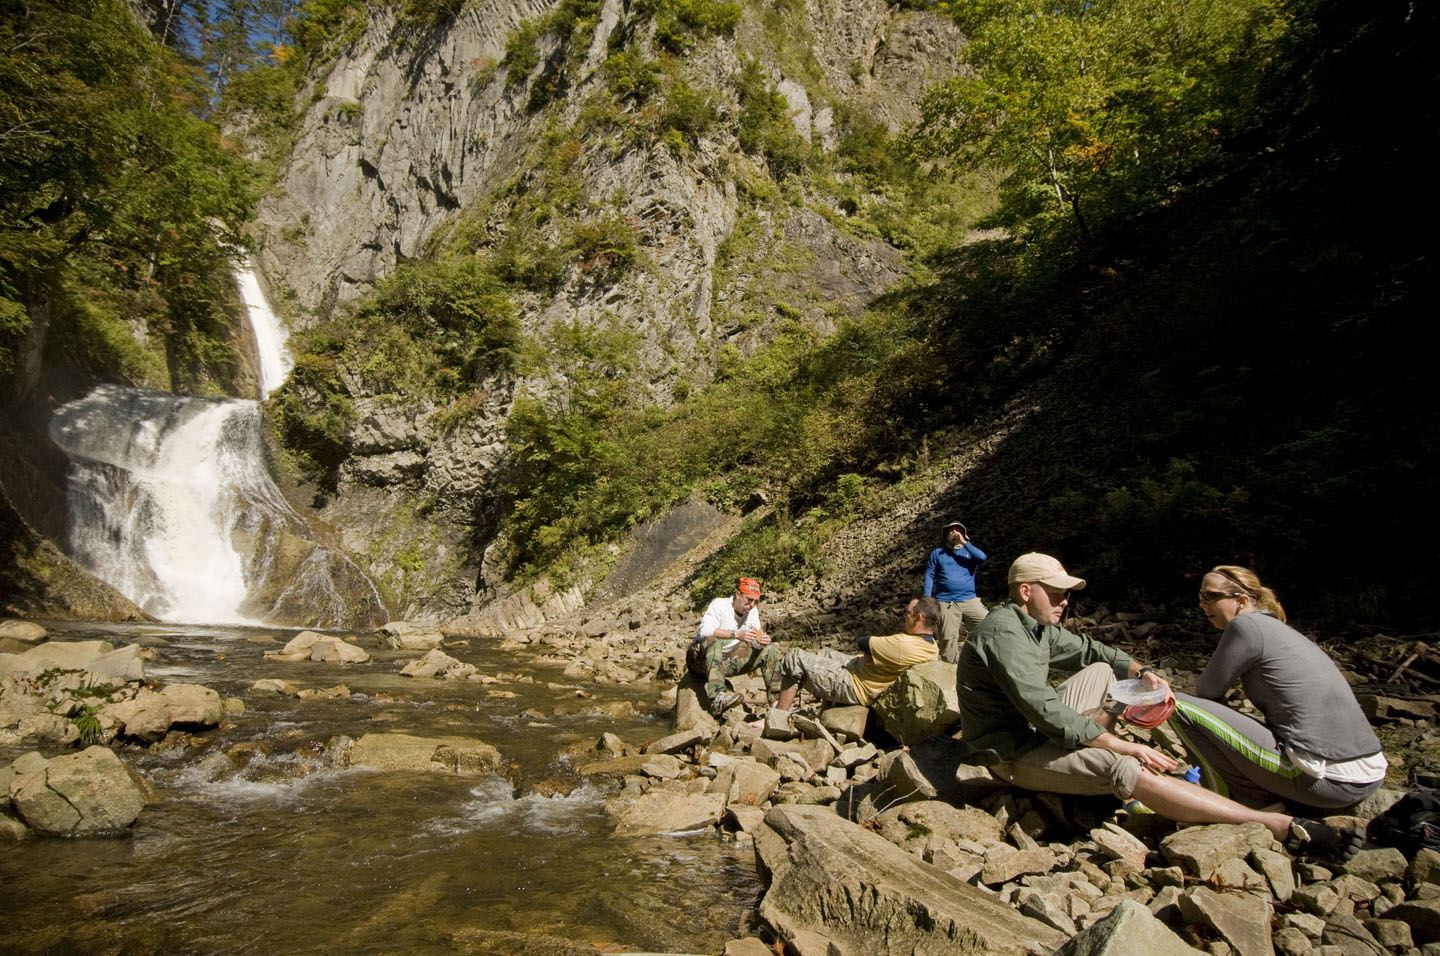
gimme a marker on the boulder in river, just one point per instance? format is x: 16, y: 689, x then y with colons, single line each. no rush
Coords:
x: 312, y: 646
x: 85, y: 794
x: 457, y: 755
x: 409, y: 636
x: 151, y: 713
x: 437, y: 663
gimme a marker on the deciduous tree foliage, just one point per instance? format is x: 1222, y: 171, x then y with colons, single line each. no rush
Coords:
x: 1096, y: 107
x: 116, y: 201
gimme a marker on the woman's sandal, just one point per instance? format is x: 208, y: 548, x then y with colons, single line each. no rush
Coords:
x: 1322, y: 842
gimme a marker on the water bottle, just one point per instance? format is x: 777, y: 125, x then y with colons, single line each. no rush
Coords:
x: 1192, y: 775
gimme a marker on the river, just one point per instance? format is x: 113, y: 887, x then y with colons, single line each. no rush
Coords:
x: 258, y: 844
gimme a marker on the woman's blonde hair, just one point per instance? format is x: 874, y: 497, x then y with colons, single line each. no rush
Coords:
x: 1248, y: 583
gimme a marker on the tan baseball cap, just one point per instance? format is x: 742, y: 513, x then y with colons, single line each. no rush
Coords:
x: 1041, y: 568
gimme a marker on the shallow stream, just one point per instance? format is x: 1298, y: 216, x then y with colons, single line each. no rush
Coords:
x: 258, y: 844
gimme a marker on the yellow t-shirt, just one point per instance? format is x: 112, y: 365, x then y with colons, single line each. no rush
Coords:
x: 889, y: 657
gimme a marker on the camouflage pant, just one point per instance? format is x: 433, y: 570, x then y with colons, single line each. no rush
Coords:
x: 714, y: 665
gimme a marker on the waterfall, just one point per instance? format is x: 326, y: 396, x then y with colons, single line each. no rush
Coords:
x: 170, y: 502
x: 270, y: 333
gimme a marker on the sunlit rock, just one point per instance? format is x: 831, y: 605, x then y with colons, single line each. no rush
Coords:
x: 88, y: 793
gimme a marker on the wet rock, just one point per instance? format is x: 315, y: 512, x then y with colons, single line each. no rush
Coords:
x: 833, y: 878
x: 151, y: 713
x: 743, y: 818
x: 323, y: 693
x: 408, y: 636
x: 610, y: 744
x: 311, y: 646
x: 122, y: 665
x: 85, y: 794
x: 457, y: 755
x: 618, y: 766
x: 438, y: 664
x: 670, y: 811
x: 923, y: 702
x: 11, y: 829
x: 24, y: 632
x: 1241, y: 920
x: 677, y: 742
x: 1201, y: 849
x: 272, y: 685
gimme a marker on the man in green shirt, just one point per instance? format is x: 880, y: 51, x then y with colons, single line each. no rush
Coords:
x: 1059, y: 739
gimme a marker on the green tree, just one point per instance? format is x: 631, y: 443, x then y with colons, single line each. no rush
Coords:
x: 1095, y: 107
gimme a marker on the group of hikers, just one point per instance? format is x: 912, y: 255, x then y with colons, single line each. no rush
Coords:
x: 1314, y: 748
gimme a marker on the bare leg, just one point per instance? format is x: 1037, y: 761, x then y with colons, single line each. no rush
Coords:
x: 787, y: 696
x: 1184, y: 802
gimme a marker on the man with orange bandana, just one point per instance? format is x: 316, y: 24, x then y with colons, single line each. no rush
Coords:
x: 730, y: 642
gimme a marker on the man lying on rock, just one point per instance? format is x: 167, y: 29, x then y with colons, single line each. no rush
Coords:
x: 730, y: 642
x: 1058, y: 739
x: 839, y: 678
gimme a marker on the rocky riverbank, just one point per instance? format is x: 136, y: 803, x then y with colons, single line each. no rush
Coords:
x: 864, y: 845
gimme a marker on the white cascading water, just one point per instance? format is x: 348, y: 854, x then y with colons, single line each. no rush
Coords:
x: 270, y: 334
x: 171, y: 504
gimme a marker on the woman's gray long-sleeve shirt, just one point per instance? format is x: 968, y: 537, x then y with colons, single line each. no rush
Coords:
x: 1306, y: 701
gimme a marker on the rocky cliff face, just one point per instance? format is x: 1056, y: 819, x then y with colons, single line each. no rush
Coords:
x: 410, y: 134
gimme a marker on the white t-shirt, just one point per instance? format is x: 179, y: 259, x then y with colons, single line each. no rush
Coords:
x: 720, y: 616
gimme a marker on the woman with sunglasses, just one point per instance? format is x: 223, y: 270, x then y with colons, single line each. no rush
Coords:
x: 1315, y: 747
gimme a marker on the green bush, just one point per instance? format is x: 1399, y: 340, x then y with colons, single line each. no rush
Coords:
x: 680, y: 24
x: 765, y: 127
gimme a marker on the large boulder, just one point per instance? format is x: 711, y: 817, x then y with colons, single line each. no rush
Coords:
x: 313, y: 646
x: 54, y: 655
x: 830, y: 877
x: 437, y: 664
x: 664, y: 810
x: 151, y: 713
x: 85, y: 794
x: 923, y: 702
x: 408, y: 636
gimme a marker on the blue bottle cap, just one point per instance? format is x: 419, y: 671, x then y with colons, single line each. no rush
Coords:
x: 1193, y: 775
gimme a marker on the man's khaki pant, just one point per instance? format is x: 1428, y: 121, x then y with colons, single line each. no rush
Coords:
x: 958, y: 620
x: 1054, y: 768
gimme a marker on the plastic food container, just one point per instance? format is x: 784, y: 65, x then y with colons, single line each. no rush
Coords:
x: 1136, y: 692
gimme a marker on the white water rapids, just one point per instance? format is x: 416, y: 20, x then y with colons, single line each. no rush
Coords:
x: 171, y: 504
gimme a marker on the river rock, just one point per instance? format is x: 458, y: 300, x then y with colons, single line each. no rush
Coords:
x: 11, y: 829
x: 935, y: 819
x: 438, y: 664
x: 690, y: 711
x: 1129, y: 930
x: 903, y: 778
x: 54, y: 655
x: 124, y: 665
x: 151, y: 713
x: 923, y: 702
x: 853, y: 887
x: 677, y: 742
x: 23, y: 632
x: 312, y: 646
x: 1278, y: 872
x: 84, y: 794
x: 670, y: 811
x: 457, y: 755
x: 1425, y: 867
x: 1120, y: 844
x: 409, y: 636
x: 1378, y: 865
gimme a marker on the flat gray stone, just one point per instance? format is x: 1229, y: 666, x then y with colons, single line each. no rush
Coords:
x: 831, y: 877
x: 1241, y: 920
x: 1129, y: 930
x: 1203, y: 848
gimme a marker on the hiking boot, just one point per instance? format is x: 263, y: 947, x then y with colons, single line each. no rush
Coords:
x: 1322, y: 842
x: 723, y: 701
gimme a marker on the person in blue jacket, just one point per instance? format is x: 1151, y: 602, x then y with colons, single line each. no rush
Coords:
x: 950, y: 579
